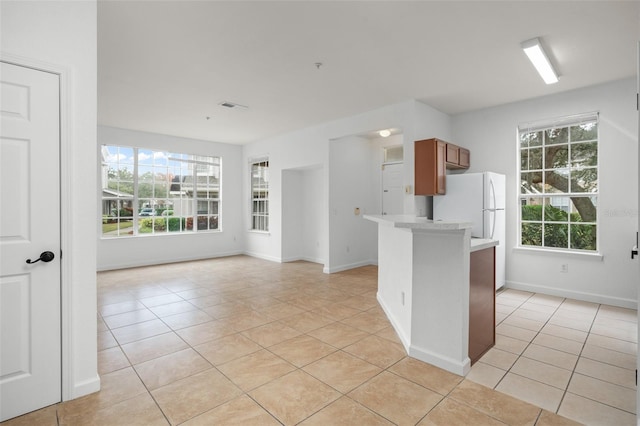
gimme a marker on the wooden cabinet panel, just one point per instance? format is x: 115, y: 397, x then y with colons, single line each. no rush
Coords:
x: 464, y: 158
x: 429, y: 168
x: 452, y: 154
x: 482, y: 303
x: 457, y: 157
x: 432, y: 158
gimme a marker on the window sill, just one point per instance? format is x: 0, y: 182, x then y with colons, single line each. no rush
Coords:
x: 559, y: 253
x: 255, y: 231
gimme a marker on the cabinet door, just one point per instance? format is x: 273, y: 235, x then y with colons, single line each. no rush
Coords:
x: 453, y: 154
x: 430, y: 169
x: 482, y: 313
x: 464, y: 158
x: 441, y: 174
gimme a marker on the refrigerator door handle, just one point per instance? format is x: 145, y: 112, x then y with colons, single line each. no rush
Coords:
x: 493, y: 226
x: 494, y: 207
x: 493, y: 195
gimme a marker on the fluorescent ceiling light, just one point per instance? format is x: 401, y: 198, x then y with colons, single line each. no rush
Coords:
x: 384, y: 133
x: 228, y: 104
x: 539, y: 59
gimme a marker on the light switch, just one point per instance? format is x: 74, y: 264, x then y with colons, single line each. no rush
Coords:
x: 408, y: 189
x: 356, y: 211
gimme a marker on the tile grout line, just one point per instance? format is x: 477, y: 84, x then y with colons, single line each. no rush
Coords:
x: 579, y: 356
x: 578, y: 360
x: 531, y: 342
x: 287, y: 301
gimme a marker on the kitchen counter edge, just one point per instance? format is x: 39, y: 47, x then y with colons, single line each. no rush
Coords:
x: 416, y: 222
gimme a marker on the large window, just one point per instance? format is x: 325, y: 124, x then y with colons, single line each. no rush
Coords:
x: 149, y: 192
x: 260, y: 195
x: 559, y: 184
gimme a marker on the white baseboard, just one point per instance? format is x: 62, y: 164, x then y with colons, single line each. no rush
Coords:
x: 83, y: 388
x: 404, y: 339
x: 571, y: 294
x: 302, y: 258
x: 263, y: 257
x: 346, y: 267
x: 449, y: 364
x: 150, y: 262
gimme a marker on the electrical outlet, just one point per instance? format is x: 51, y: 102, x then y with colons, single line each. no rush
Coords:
x: 564, y: 267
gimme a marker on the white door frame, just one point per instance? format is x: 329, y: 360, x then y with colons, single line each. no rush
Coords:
x: 66, y: 77
x: 638, y: 228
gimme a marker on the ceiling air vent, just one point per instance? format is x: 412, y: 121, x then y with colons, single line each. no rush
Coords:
x: 231, y: 105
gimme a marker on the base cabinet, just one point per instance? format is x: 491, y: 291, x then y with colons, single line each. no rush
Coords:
x: 482, y: 303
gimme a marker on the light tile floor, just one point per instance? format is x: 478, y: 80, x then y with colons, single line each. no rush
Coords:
x: 573, y: 358
x: 244, y: 341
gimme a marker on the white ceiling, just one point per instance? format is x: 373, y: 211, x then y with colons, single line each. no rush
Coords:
x: 164, y: 66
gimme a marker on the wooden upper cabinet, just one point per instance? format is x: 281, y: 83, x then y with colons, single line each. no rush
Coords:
x: 457, y: 157
x: 432, y: 158
x: 464, y: 158
x: 453, y: 154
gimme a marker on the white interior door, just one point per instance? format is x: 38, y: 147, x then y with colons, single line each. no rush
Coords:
x: 30, y: 339
x: 392, y: 193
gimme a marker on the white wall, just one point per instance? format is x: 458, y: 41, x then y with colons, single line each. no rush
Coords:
x: 352, y: 185
x: 310, y: 147
x: 293, y: 222
x: 490, y: 134
x: 63, y: 36
x: 303, y: 219
x: 114, y: 253
x: 314, y: 232
x: 298, y: 150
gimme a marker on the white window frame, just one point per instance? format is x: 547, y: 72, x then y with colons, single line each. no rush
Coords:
x: 545, y: 195
x: 259, y: 195
x: 194, y: 164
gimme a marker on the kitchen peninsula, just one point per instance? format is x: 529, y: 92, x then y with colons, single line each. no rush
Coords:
x: 424, y: 286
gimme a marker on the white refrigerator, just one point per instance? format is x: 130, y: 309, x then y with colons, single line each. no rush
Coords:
x: 478, y: 198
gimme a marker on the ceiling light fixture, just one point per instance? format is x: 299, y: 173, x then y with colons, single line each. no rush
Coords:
x: 384, y: 133
x: 539, y: 59
x: 228, y: 104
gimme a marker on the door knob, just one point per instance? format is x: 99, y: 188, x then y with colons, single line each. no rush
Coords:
x: 45, y: 256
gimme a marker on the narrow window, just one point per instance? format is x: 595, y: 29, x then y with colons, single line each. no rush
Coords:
x: 260, y: 196
x: 559, y: 184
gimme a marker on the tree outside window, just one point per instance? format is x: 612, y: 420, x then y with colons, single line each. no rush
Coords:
x: 559, y: 184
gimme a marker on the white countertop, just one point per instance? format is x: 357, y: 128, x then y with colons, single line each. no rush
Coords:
x: 418, y: 223
x: 482, y: 243
x: 413, y: 222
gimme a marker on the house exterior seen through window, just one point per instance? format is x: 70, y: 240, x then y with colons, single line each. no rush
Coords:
x: 150, y: 192
x: 559, y: 184
x: 260, y: 196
